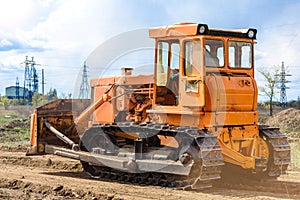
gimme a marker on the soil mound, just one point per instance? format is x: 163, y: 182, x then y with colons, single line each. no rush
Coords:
x: 288, y: 121
x: 22, y: 123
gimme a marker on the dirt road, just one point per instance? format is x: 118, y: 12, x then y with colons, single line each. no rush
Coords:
x: 52, y: 177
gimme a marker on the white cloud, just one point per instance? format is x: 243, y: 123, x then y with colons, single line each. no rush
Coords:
x: 5, y: 43
x: 67, y: 36
x: 279, y: 41
x: 62, y: 33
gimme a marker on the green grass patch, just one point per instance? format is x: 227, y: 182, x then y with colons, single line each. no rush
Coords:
x: 17, y: 129
x: 8, y: 113
x: 10, y: 139
x: 4, y: 120
x: 7, y: 116
x: 287, y: 131
x: 21, y: 137
x: 25, y: 136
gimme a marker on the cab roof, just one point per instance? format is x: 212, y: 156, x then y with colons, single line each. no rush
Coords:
x: 190, y: 29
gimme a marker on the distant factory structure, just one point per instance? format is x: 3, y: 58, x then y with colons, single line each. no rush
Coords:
x: 30, y: 84
x: 12, y: 92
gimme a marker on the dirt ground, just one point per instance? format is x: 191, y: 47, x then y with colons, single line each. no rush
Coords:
x: 53, y: 177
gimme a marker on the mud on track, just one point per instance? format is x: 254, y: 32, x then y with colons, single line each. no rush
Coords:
x: 53, y: 177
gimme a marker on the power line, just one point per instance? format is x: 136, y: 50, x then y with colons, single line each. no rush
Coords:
x: 34, y: 75
x: 31, y: 79
x: 84, y: 87
x: 27, y: 77
x: 282, y: 75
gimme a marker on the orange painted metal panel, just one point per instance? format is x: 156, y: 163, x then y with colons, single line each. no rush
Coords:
x: 33, y: 129
x: 236, y: 118
x: 174, y: 30
x: 230, y: 93
x: 105, y: 113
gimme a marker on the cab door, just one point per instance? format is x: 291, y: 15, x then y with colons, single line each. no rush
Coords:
x: 192, y: 81
x: 167, y: 73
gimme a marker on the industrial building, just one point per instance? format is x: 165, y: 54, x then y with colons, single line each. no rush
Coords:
x: 31, y: 82
x: 15, y: 92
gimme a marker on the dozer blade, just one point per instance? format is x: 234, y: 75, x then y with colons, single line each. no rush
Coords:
x: 60, y: 114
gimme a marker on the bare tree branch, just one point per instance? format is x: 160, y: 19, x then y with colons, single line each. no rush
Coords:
x: 272, y: 82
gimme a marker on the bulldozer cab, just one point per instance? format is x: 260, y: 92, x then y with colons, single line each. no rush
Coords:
x: 179, y: 70
x: 187, y: 52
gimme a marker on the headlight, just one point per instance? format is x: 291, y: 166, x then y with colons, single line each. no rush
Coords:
x: 202, y: 29
x: 251, y: 34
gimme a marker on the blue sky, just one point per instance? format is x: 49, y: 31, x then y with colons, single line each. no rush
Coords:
x: 61, y: 34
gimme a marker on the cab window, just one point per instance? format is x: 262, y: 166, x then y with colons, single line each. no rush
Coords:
x: 174, y: 65
x: 240, y: 55
x: 214, y: 53
x: 167, y: 73
x: 162, y: 64
x: 193, y: 58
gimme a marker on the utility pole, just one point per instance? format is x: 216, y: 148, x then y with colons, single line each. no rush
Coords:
x: 27, y: 78
x: 282, y: 75
x: 35, y: 80
x: 84, y: 87
x: 17, y: 88
x: 43, y: 82
x: 31, y: 80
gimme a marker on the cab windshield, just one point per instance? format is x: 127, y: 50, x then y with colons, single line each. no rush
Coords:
x: 214, y: 53
x: 240, y: 55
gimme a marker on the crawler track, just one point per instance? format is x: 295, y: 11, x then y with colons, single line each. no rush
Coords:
x: 200, y: 145
x: 280, y: 151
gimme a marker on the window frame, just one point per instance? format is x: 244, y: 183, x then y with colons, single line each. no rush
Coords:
x: 198, y: 64
x: 169, y: 42
x: 250, y: 57
x: 224, y: 53
x: 157, y: 63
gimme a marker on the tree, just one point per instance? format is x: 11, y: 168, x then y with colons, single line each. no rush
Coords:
x: 36, y: 99
x: 272, y: 82
x: 63, y: 96
x: 44, y: 99
x: 69, y: 95
x: 23, y: 101
x: 52, y: 95
x: 14, y: 102
x: 4, y: 101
